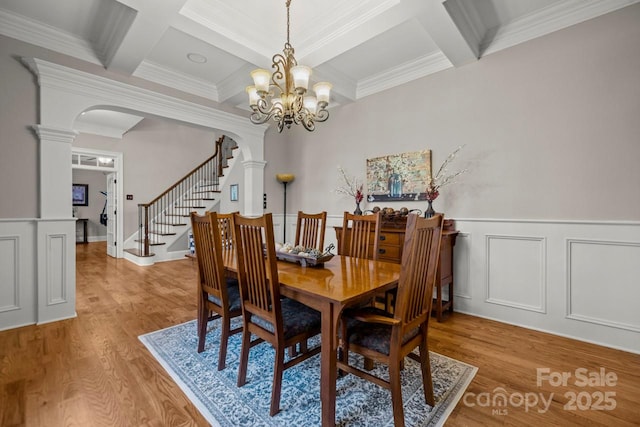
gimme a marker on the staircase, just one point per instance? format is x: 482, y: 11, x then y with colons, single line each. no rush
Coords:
x: 164, y: 222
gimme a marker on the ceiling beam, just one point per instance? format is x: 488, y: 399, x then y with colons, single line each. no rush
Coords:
x: 151, y: 21
x: 447, y: 24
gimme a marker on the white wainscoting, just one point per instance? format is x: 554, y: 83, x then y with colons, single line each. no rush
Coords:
x: 37, y: 271
x: 17, y: 274
x: 579, y: 279
x: 571, y: 278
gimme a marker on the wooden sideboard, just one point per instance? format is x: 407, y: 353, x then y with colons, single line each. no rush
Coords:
x: 390, y: 249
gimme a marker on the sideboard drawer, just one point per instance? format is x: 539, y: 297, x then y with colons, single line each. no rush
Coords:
x: 391, y: 253
x: 389, y: 238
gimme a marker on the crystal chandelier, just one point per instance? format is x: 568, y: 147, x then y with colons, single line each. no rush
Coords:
x: 290, y: 104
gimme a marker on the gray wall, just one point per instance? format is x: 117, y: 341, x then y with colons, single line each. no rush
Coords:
x: 551, y: 128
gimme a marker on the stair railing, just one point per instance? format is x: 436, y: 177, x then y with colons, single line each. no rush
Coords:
x: 172, y: 207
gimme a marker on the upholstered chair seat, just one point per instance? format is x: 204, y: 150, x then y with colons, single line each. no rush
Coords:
x: 374, y: 336
x: 233, y: 294
x: 297, y: 319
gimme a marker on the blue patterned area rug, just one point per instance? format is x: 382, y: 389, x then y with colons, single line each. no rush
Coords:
x: 358, y: 402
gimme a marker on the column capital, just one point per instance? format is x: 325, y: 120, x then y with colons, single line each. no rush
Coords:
x: 54, y: 134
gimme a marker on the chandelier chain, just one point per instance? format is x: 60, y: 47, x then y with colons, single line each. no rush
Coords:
x: 288, y: 4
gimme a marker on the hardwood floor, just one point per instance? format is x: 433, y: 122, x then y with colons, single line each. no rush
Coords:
x: 93, y: 370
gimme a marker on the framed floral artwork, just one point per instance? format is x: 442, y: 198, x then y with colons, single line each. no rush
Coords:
x: 399, y: 177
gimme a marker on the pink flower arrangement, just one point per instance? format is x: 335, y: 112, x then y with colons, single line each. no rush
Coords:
x: 432, y: 194
x: 359, y: 196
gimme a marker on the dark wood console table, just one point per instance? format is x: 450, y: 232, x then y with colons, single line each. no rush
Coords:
x: 84, y: 222
x: 390, y: 249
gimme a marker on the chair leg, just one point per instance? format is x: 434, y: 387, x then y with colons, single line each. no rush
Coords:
x: 276, y: 388
x: 202, y: 326
x: 244, y: 356
x: 368, y: 363
x: 427, y: 381
x: 224, y: 338
x: 396, y: 393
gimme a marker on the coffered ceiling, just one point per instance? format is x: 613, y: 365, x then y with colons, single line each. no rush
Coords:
x: 208, y: 47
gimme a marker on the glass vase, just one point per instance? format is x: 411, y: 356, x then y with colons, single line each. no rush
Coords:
x: 395, y: 185
x: 358, y: 211
x: 429, y: 212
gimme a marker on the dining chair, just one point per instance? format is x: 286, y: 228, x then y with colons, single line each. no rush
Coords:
x: 282, y: 322
x: 310, y: 230
x: 389, y: 338
x: 360, y: 235
x: 218, y: 295
x: 225, y: 228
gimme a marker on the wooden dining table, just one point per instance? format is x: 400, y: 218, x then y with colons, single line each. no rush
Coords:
x: 340, y: 282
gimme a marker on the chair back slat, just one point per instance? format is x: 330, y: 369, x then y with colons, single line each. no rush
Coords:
x: 360, y: 235
x: 419, y: 266
x: 310, y: 230
x: 225, y: 227
x: 209, y: 255
x: 257, y: 273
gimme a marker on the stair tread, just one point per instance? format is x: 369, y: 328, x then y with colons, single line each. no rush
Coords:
x: 138, y: 252
x: 189, y: 207
x: 173, y: 224
x: 162, y: 234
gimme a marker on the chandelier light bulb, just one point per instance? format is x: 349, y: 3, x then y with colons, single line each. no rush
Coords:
x: 253, y: 95
x: 261, y: 79
x: 323, y: 91
x: 301, y: 74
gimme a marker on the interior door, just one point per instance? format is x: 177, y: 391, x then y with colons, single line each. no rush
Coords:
x: 111, y: 212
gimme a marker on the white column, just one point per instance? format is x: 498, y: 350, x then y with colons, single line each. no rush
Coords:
x: 254, y: 185
x: 55, y: 231
x: 55, y: 171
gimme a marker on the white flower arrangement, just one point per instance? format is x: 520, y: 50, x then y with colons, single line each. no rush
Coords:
x: 443, y: 177
x: 351, y: 186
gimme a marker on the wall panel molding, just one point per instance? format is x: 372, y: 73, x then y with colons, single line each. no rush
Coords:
x: 57, y: 245
x: 56, y: 270
x: 462, y: 266
x: 577, y: 279
x: 17, y: 273
x: 516, y: 271
x: 9, y: 273
x: 591, y: 267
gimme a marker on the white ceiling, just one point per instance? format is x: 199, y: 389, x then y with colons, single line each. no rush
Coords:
x: 361, y: 46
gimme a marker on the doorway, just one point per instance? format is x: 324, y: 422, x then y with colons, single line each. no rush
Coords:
x: 109, y: 163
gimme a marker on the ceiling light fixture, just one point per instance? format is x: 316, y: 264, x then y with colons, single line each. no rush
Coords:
x: 290, y: 105
x: 197, y: 58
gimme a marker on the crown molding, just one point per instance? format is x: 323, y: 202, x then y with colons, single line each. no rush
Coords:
x: 36, y: 33
x: 173, y: 79
x: 339, y: 22
x: 234, y: 83
x: 403, y: 73
x: 105, y: 91
x: 547, y: 20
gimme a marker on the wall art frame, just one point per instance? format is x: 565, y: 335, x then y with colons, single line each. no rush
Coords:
x: 399, y: 177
